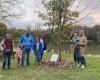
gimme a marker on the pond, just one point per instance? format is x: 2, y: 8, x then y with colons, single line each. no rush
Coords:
x: 92, y: 47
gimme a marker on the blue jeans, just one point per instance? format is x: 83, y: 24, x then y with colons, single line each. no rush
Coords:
x: 6, y: 60
x: 26, y: 53
x: 38, y: 57
x: 77, y: 55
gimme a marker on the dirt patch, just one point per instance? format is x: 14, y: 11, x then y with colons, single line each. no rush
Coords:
x: 60, y: 65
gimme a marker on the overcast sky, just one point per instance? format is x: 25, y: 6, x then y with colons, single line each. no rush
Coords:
x: 30, y: 7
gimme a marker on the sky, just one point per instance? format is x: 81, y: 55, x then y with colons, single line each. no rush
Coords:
x: 31, y: 8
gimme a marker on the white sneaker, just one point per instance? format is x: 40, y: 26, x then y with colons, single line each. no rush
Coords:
x: 78, y: 65
x: 83, y: 66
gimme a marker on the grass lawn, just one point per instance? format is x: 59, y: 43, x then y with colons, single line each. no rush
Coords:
x: 35, y: 72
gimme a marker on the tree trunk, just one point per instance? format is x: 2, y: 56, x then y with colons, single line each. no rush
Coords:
x: 59, y: 36
x: 59, y: 43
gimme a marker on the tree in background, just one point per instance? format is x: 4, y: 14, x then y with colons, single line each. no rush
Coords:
x: 10, y: 9
x: 93, y: 33
x: 3, y: 30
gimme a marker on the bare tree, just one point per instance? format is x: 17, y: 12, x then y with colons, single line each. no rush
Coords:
x: 10, y: 8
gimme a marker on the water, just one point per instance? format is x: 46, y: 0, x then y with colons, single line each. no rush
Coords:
x: 92, y: 48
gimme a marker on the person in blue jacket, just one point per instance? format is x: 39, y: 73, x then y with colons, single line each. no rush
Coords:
x: 37, y: 48
x: 27, y: 41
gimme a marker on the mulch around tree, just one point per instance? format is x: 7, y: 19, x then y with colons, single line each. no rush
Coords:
x: 60, y: 65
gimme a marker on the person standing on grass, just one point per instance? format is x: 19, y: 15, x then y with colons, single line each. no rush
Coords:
x: 75, y: 43
x: 83, y: 43
x: 44, y: 46
x: 7, y: 44
x: 27, y: 41
x: 19, y: 55
x: 37, y: 48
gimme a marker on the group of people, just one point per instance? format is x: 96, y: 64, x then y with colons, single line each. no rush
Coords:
x: 77, y: 46
x: 26, y: 43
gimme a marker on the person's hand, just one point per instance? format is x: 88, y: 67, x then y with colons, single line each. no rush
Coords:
x: 4, y: 46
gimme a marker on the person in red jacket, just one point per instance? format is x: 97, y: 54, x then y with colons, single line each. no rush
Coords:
x: 8, y: 48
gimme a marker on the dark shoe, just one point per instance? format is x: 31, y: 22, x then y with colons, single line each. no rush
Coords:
x: 22, y: 65
x: 28, y: 64
x: 9, y: 68
x: 3, y: 68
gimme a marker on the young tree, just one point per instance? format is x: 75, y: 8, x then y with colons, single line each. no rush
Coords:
x: 58, y: 15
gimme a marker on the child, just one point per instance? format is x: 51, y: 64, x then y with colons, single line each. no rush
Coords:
x: 37, y: 48
x: 18, y: 55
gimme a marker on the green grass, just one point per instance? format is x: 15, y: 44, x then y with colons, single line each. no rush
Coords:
x: 35, y: 72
